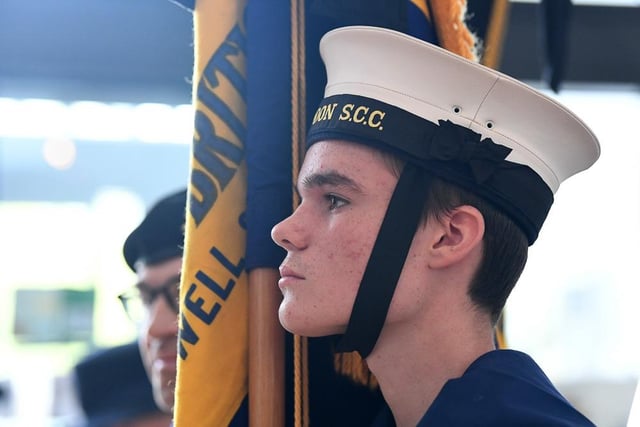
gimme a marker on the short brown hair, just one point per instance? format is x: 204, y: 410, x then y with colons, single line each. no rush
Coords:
x: 504, y: 245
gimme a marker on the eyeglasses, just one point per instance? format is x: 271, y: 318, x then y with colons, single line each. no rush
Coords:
x: 139, y: 300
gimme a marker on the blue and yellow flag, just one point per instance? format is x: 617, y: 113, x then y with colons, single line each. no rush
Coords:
x: 212, y: 368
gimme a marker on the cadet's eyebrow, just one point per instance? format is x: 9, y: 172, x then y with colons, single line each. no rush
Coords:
x: 330, y: 178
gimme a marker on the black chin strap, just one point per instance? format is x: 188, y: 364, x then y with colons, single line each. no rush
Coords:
x: 386, y: 262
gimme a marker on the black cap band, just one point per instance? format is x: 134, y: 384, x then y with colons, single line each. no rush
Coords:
x: 450, y: 151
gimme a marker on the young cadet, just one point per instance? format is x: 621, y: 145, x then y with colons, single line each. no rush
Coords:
x: 154, y: 252
x: 426, y: 178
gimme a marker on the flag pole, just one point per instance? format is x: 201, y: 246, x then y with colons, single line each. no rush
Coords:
x: 267, y: 346
x: 266, y: 350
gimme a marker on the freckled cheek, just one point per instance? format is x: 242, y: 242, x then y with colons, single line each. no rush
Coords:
x: 356, y: 256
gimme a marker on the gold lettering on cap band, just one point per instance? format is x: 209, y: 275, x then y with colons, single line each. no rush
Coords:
x: 324, y: 113
x: 360, y: 114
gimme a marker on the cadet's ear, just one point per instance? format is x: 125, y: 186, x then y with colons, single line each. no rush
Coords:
x: 457, y: 234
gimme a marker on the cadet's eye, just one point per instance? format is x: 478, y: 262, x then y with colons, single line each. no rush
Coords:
x: 335, y: 202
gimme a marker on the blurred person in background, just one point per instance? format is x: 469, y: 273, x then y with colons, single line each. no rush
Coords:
x: 114, y: 391
x: 154, y: 252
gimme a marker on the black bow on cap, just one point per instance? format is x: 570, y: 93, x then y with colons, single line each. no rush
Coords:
x: 451, y: 142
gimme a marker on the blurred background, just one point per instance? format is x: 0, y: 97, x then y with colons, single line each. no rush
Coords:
x: 96, y: 124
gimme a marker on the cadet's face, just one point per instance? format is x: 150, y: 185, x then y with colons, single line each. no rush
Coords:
x: 159, y: 334
x: 345, y: 189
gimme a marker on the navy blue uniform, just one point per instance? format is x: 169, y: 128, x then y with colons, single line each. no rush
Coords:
x: 501, y: 388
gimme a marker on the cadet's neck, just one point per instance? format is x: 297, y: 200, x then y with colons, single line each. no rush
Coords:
x: 413, y: 359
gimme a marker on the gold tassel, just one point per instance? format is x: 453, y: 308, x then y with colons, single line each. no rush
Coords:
x: 448, y: 19
x: 352, y: 366
x: 501, y: 340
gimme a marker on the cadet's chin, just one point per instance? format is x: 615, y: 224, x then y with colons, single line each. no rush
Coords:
x: 284, y: 316
x: 304, y: 325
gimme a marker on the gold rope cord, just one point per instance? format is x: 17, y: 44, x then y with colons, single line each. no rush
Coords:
x: 298, y: 130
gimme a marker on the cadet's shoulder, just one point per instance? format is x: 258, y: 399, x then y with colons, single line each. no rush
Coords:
x: 502, y: 387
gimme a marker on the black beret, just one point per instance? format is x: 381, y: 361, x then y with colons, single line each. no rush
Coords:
x: 112, y: 386
x: 161, y: 234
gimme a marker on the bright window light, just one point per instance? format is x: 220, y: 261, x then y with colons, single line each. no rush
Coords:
x: 95, y: 121
x: 59, y: 153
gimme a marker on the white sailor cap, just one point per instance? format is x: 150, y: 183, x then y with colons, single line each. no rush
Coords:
x: 462, y: 121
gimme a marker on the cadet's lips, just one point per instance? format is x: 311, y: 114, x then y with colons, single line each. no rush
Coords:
x: 288, y: 276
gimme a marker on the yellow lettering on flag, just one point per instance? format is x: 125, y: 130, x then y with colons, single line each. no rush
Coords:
x: 212, y: 365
